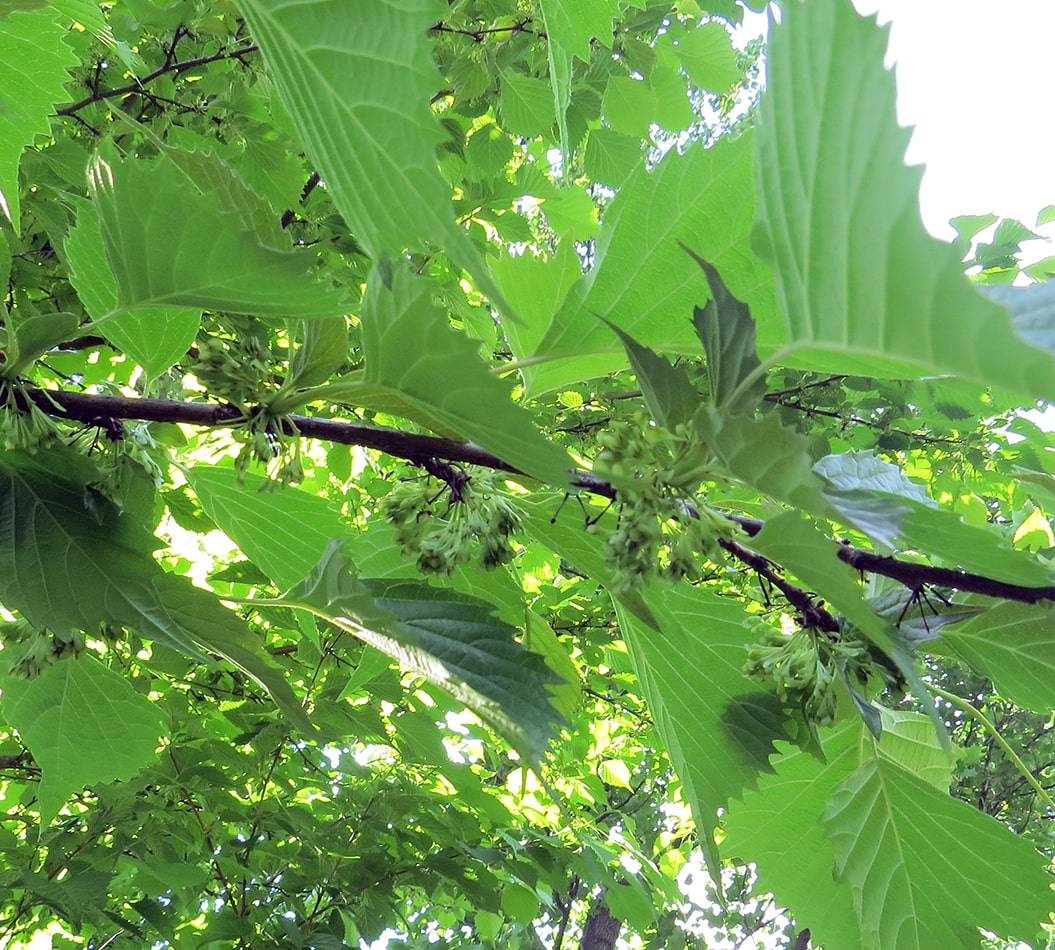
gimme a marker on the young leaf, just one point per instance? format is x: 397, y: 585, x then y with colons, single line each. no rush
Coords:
x: 169, y: 245
x: 727, y: 332
x: 863, y: 288
x: 909, y: 852
x: 668, y: 391
x: 117, y: 734
x: 449, y: 639
x: 67, y: 566
x: 412, y: 351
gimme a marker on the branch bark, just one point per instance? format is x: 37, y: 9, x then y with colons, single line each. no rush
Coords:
x: 92, y: 409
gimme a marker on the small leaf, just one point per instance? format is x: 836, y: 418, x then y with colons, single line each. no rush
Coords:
x: 117, y: 729
x: 708, y: 57
x: 727, y: 332
x: 669, y: 393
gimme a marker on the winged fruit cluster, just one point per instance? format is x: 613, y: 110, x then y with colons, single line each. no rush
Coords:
x: 804, y: 668
x: 659, y: 528
x: 443, y: 524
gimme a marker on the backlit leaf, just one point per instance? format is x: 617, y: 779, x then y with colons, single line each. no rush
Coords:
x: 117, y: 733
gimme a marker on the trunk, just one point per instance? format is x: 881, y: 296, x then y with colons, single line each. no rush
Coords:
x: 601, y: 930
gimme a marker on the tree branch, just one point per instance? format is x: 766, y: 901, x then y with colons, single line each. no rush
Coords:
x: 91, y: 409
x: 137, y: 87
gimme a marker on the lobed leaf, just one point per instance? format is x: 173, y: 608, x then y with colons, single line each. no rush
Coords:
x: 642, y: 281
x: 910, y: 853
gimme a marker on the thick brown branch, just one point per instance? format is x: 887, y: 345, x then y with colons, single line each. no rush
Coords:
x: 96, y: 409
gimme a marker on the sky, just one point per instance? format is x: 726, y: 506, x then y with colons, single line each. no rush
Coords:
x: 974, y: 79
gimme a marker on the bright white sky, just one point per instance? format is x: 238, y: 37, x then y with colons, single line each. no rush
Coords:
x: 974, y: 79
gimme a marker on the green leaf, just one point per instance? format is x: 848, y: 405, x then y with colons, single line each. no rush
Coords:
x: 668, y: 391
x: 70, y: 561
x: 792, y: 541
x: 718, y: 727
x: 323, y: 350
x: 863, y: 288
x: 876, y: 497
x: 727, y: 332
x: 35, y: 336
x: 155, y: 337
x: 449, y: 639
x: 707, y: 55
x: 910, y: 854
x: 283, y: 530
x: 643, y: 281
x: 527, y: 106
x: 169, y: 245
x: 778, y: 828
x: 356, y: 79
x: 629, y: 105
x: 763, y: 453
x: 610, y: 156
x: 535, y: 287
x: 1011, y: 644
x: 34, y: 60
x: 910, y: 741
x: 117, y: 733
x: 412, y: 351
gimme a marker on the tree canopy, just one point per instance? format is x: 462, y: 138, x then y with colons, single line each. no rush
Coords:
x: 509, y: 474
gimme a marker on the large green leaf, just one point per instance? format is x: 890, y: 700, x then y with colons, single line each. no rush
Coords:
x: 70, y: 560
x: 357, y: 79
x: 718, y: 726
x: 643, y: 281
x: 155, y: 337
x: 863, y: 288
x: 911, y: 855
x: 412, y: 350
x: 688, y: 647
x: 117, y: 729
x: 451, y: 640
x: 778, y: 828
x: 169, y: 245
x: 283, y: 530
x: 34, y: 59
x: 1012, y: 645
